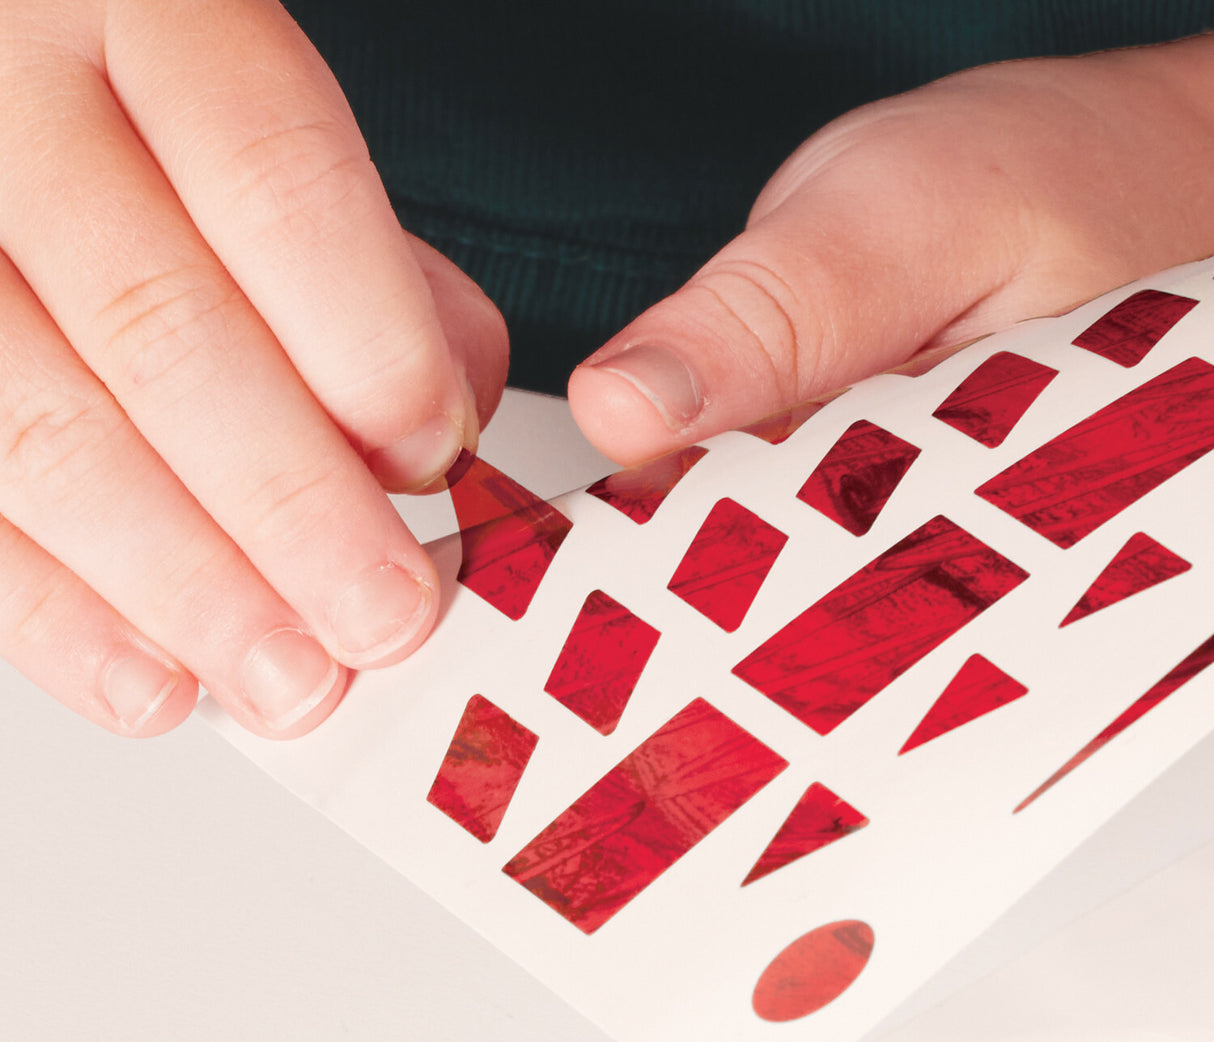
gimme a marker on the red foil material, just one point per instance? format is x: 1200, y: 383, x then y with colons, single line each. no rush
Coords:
x: 813, y: 971
x: 978, y: 688
x: 601, y: 661
x: 482, y: 768
x: 1127, y: 333
x: 989, y: 402
x: 1079, y: 480
x: 723, y: 569
x: 639, y: 491
x: 1139, y: 565
x: 509, y: 536
x: 834, y: 657
x: 819, y: 819
x: 855, y: 479
x: 645, y: 814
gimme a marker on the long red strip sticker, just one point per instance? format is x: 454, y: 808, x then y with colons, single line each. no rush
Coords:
x: 1075, y: 483
x: 645, y: 814
x: 831, y: 659
x: 1182, y: 673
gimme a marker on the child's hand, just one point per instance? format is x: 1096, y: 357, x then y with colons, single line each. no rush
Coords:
x: 924, y: 220
x: 214, y: 339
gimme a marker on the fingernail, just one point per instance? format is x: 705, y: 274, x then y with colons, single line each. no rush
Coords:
x: 135, y: 686
x: 380, y: 612
x: 663, y: 378
x: 420, y: 457
x: 286, y: 676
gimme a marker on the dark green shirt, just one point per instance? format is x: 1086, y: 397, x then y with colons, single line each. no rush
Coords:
x: 581, y: 160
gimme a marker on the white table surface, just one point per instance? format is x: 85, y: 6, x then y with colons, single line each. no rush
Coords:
x: 167, y: 889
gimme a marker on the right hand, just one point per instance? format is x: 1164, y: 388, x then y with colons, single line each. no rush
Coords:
x: 216, y: 344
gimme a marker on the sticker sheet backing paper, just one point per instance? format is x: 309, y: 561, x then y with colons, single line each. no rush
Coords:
x: 646, y: 833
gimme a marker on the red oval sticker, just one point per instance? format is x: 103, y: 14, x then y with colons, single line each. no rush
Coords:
x: 813, y: 971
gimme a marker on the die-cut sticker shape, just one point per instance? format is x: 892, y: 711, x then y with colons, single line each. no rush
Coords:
x: 1126, y: 334
x: 989, y: 402
x: 509, y: 536
x: 643, y: 815
x: 978, y: 688
x: 781, y: 426
x: 1177, y: 677
x: 639, y: 491
x: 1139, y: 565
x: 835, y: 656
x: 813, y: 971
x: 723, y: 569
x: 819, y: 819
x: 854, y: 480
x: 601, y: 661
x: 1077, y: 481
x: 482, y: 768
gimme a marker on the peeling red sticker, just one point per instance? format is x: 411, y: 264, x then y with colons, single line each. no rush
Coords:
x: 1127, y: 333
x: 639, y: 491
x: 1182, y: 673
x: 601, y: 661
x: 781, y: 426
x: 482, y: 768
x: 723, y: 569
x: 834, y: 657
x: 1079, y: 480
x: 813, y: 971
x: 989, y: 402
x: 819, y: 819
x: 509, y: 536
x: 855, y: 479
x: 645, y: 814
x: 978, y: 688
x: 1139, y: 565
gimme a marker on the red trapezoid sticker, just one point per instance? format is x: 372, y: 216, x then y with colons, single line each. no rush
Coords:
x: 989, y: 402
x: 978, y: 688
x: 855, y: 479
x: 723, y: 569
x: 1126, y: 334
x: 1079, y: 480
x: 482, y: 768
x: 509, y: 536
x: 639, y: 491
x: 1139, y: 565
x: 813, y: 971
x: 601, y: 661
x: 835, y: 656
x: 642, y: 816
x: 1182, y: 673
x: 819, y: 819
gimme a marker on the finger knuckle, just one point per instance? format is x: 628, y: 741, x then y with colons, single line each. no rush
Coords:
x: 163, y: 330
x: 48, y: 438
x: 288, y: 507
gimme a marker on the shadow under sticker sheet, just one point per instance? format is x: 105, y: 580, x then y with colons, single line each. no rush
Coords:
x: 747, y: 743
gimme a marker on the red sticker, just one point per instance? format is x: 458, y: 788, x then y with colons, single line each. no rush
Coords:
x: 819, y: 819
x: 1127, y: 333
x: 508, y: 534
x: 601, y: 661
x: 834, y: 657
x: 639, y: 491
x: 645, y: 814
x: 978, y: 688
x: 727, y: 561
x: 813, y: 971
x: 1184, y: 671
x: 783, y: 425
x: 482, y: 768
x: 855, y: 479
x: 1139, y: 565
x: 1075, y: 483
x: 990, y: 401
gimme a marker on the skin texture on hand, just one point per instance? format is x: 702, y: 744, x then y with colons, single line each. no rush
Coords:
x: 217, y: 347
x: 918, y: 222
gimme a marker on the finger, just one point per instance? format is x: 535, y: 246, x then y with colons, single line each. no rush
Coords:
x: 74, y: 646
x: 259, y: 143
x: 77, y: 479
x: 146, y: 305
